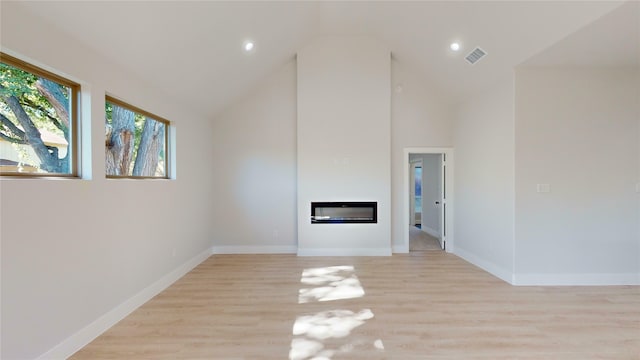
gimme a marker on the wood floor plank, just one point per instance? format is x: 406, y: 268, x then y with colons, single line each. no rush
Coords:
x: 429, y: 305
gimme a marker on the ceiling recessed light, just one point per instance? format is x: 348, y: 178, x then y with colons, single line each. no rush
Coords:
x: 248, y: 46
x: 455, y: 46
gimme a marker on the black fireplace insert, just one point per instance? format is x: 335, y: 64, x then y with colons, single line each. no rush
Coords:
x: 344, y: 212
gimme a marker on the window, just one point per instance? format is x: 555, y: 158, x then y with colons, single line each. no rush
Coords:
x: 38, y: 121
x: 136, y: 142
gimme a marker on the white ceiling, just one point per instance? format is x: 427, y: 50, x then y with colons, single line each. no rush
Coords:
x: 198, y: 44
x: 612, y: 40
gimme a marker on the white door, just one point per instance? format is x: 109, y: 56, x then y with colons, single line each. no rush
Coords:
x: 443, y: 205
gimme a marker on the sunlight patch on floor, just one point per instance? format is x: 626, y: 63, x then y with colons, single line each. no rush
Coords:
x: 313, y: 331
x: 329, y: 283
x: 325, y: 334
x: 330, y: 324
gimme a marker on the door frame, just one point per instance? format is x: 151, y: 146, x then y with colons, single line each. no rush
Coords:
x: 447, y: 204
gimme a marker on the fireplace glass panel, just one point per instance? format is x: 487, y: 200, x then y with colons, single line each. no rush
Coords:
x: 344, y: 212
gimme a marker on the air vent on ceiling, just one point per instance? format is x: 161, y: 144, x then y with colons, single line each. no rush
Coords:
x: 475, y: 56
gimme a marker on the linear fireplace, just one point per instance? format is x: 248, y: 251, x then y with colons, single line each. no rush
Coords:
x: 344, y: 212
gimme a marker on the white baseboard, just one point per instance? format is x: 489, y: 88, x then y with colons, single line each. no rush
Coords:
x: 576, y: 279
x: 400, y: 249
x: 83, y: 337
x: 344, y: 251
x: 254, y: 249
x: 432, y: 232
x: 554, y: 279
x: 493, y: 269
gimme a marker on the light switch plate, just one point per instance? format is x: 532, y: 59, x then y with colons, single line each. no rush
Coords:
x: 543, y: 188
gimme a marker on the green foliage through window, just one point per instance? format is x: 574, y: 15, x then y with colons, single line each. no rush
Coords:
x: 136, y: 142
x: 37, y: 116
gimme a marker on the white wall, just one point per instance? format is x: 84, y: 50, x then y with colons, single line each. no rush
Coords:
x: 420, y: 117
x: 73, y: 250
x: 484, y: 181
x: 261, y: 128
x: 344, y: 142
x: 255, y: 164
x: 577, y: 130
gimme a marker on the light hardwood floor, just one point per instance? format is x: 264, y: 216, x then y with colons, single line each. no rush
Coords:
x: 421, y: 241
x: 427, y: 305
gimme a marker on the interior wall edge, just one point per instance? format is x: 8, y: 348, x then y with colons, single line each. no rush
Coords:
x: 486, y: 265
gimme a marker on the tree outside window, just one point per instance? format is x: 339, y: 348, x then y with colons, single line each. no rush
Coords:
x: 37, y: 120
x: 136, y: 142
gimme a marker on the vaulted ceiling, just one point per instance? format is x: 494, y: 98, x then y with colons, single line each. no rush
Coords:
x: 192, y: 50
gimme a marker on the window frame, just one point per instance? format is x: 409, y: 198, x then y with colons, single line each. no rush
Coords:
x: 167, y: 159
x: 74, y: 121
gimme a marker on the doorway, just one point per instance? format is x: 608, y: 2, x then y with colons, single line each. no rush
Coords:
x: 429, y: 194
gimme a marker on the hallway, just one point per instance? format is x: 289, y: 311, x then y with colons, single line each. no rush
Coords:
x: 421, y: 241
